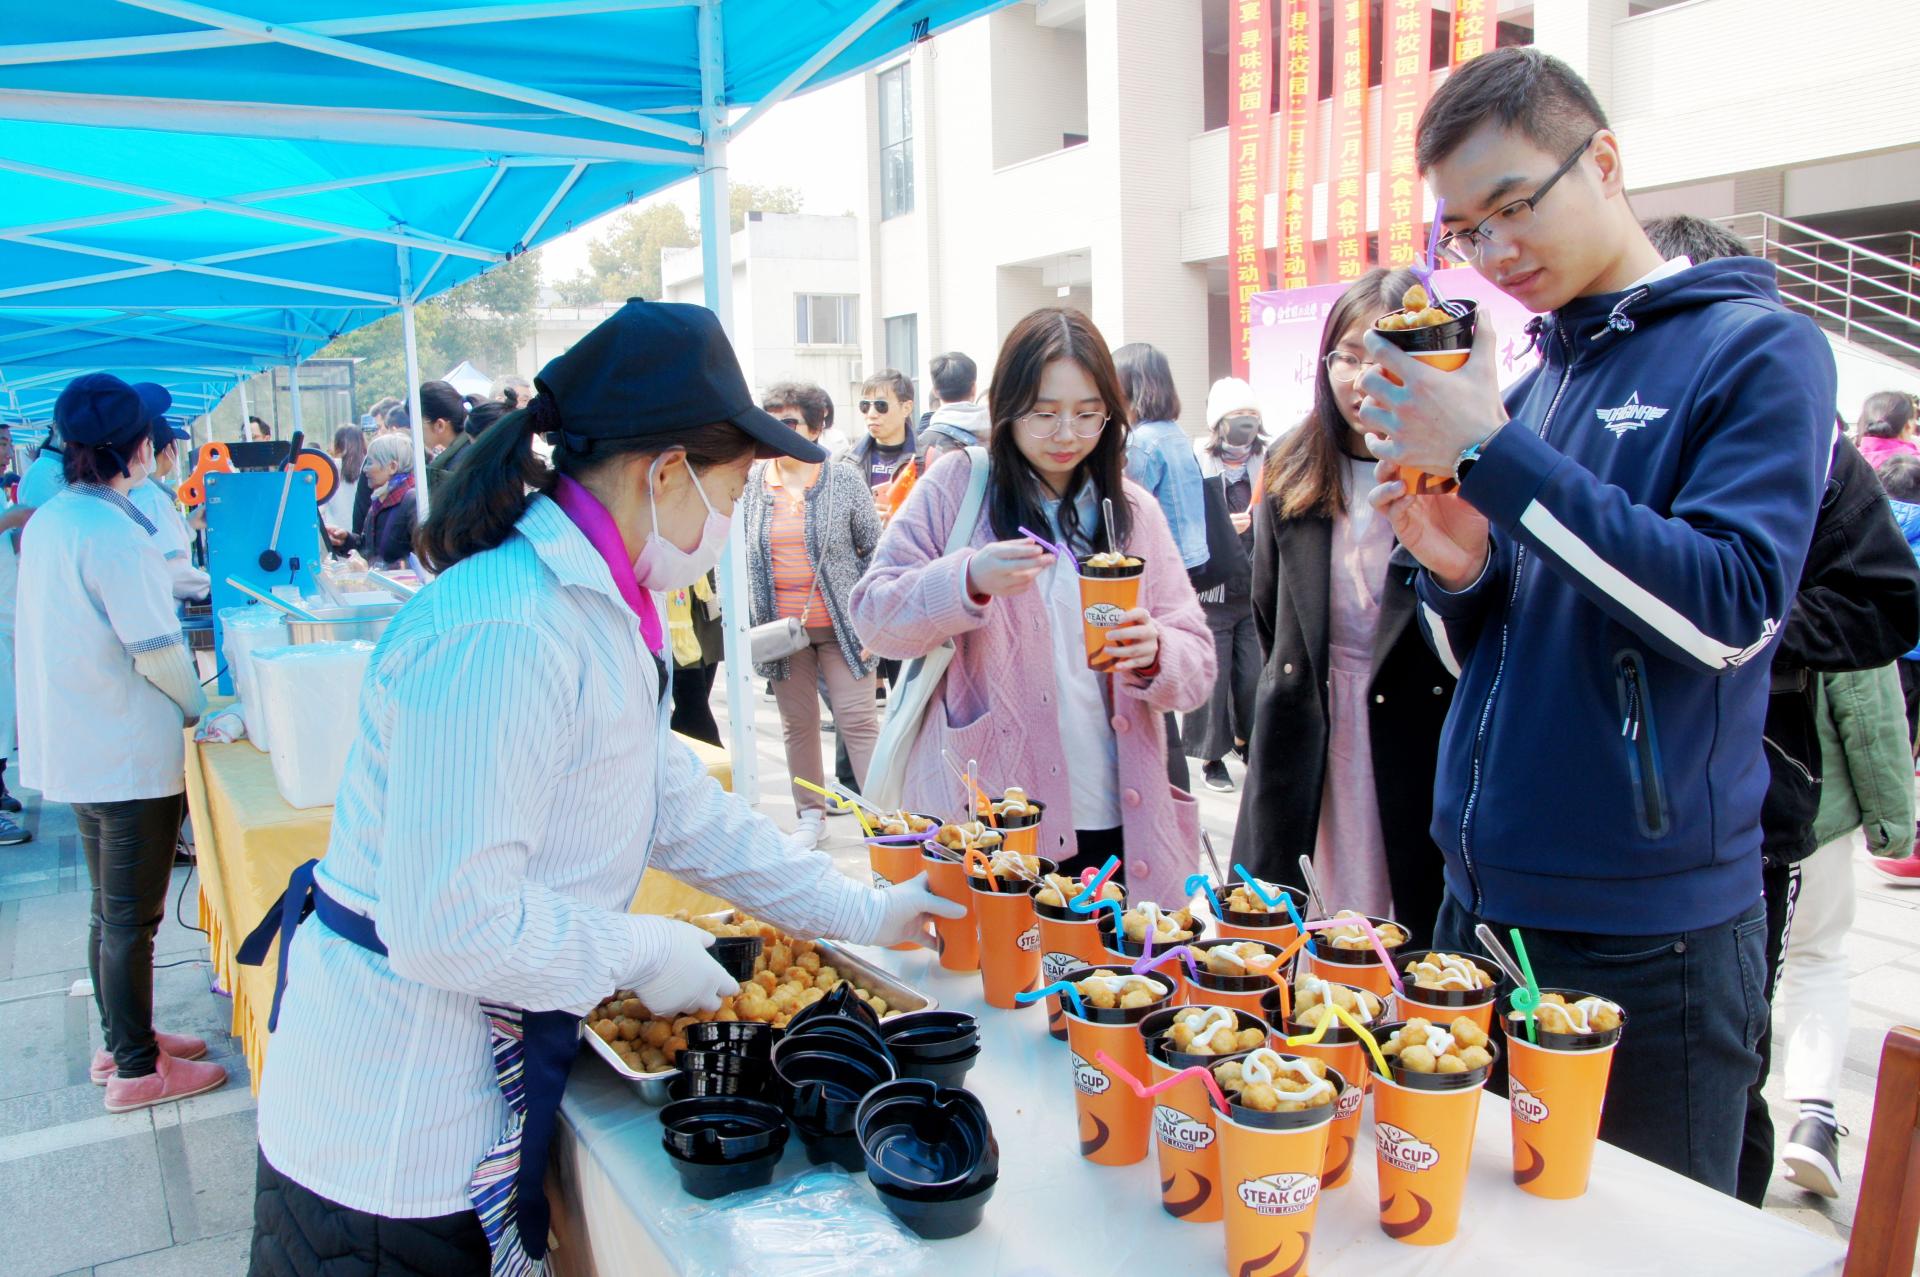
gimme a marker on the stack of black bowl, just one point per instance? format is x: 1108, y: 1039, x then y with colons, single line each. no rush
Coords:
x: 831, y: 1056
x: 939, y: 1046
x: 726, y: 1058
x: 722, y: 1144
x: 930, y: 1154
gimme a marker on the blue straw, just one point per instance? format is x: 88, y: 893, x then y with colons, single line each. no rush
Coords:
x: 1298, y: 925
x: 1206, y: 887
x: 1060, y: 987
x: 1079, y: 904
x: 1119, y: 917
x: 1253, y: 885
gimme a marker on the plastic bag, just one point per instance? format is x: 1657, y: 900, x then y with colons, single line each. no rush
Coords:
x: 820, y: 1224
x: 222, y: 727
x: 243, y: 631
x: 311, y: 698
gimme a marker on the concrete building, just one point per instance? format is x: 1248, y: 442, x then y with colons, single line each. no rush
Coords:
x: 555, y: 329
x: 1075, y: 151
x: 797, y: 305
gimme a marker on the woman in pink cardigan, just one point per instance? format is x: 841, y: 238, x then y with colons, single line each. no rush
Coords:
x: 1019, y: 698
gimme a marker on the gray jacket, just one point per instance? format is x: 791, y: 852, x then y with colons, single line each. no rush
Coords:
x: 842, y: 529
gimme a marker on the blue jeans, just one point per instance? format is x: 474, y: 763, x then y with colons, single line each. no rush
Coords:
x: 1696, y: 1005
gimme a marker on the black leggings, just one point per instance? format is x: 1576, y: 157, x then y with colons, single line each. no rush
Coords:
x: 297, y: 1232
x: 692, y: 708
x: 129, y: 850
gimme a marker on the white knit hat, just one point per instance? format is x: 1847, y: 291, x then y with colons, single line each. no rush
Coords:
x: 1229, y: 395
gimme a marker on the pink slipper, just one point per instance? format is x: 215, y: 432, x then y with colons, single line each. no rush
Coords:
x: 171, y: 1080
x: 178, y: 1045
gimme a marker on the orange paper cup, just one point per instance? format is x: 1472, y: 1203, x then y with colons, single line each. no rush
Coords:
x: 1009, y: 936
x: 1270, y: 1171
x: 1183, y: 1130
x: 1423, y: 1137
x: 1556, y: 1089
x: 959, y: 938
x: 1272, y: 926
x: 894, y: 862
x: 1114, y: 1122
x: 1342, y: 1051
x: 1021, y: 833
x: 1104, y: 595
x: 1444, y: 1006
x: 1359, y: 967
x: 1238, y: 992
x: 1126, y: 952
x: 1068, y: 940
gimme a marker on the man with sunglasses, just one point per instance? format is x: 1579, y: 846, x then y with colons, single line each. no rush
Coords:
x: 1609, y: 584
x: 886, y: 407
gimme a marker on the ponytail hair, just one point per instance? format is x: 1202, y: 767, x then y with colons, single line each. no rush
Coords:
x: 1885, y: 415
x: 476, y: 506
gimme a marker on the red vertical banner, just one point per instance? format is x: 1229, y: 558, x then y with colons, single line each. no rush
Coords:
x: 1346, y: 192
x: 1472, y: 35
x: 1405, y: 27
x: 1299, y: 96
x: 1250, y: 99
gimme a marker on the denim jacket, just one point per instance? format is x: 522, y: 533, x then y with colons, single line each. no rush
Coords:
x: 1160, y: 459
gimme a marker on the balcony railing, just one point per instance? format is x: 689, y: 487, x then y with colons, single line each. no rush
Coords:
x: 1866, y: 290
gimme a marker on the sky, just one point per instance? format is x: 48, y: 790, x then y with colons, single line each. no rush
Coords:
x: 811, y: 142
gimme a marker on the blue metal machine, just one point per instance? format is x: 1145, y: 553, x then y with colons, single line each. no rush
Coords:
x: 255, y: 519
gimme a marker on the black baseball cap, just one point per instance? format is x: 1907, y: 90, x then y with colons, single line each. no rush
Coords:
x: 97, y: 409
x: 652, y: 368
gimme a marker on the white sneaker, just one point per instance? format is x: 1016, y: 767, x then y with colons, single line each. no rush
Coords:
x: 811, y: 829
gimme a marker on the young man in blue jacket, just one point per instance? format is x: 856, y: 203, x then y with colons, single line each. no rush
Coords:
x: 1609, y: 581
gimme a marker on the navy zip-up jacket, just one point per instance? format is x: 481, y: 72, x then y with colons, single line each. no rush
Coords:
x: 1651, y: 499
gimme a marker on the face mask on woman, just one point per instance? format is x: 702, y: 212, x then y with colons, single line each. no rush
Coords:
x: 1236, y: 439
x: 662, y: 565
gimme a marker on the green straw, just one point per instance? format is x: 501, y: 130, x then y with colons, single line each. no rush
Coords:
x: 1527, y: 999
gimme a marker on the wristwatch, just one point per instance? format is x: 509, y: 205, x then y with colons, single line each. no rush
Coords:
x: 1471, y: 455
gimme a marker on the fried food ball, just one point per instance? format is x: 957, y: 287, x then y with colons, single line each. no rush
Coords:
x: 1244, y: 958
x: 606, y: 1030
x: 1352, y: 937
x: 1447, y: 971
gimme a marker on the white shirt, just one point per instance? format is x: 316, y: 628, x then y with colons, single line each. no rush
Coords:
x: 512, y: 780
x: 1093, y: 773
x: 93, y: 595
x: 175, y: 541
x: 45, y: 479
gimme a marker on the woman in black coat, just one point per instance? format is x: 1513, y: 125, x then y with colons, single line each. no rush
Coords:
x: 1346, y: 723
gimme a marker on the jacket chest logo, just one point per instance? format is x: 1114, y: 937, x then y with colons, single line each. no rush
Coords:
x: 1630, y: 415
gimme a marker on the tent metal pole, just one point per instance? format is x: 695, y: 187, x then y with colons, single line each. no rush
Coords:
x: 245, y: 411
x: 414, y: 425
x: 716, y: 253
x: 293, y: 392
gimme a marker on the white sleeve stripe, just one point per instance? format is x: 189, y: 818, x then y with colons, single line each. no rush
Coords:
x: 1442, y: 644
x: 1665, y: 620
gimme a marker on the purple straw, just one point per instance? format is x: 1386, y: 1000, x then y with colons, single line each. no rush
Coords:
x: 1426, y: 266
x: 1180, y: 951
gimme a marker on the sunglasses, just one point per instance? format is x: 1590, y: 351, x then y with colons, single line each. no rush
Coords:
x: 874, y: 405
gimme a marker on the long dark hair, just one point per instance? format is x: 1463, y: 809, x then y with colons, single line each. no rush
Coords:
x: 352, y: 443
x: 477, y: 505
x: 1307, y: 471
x: 439, y: 401
x: 1148, y: 380
x: 1885, y: 415
x: 1018, y: 495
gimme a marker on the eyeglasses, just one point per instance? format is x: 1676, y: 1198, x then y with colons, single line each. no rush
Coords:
x: 1507, y: 221
x: 1045, y: 425
x: 874, y: 405
x: 1345, y: 368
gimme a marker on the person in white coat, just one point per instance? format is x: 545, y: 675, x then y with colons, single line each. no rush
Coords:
x: 156, y: 501
x: 12, y: 833
x: 105, y: 683
x: 513, y: 778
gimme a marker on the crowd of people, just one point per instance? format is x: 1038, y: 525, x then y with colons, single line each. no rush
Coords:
x: 1638, y: 677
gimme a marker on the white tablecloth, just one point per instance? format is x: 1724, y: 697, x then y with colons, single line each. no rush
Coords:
x: 613, y: 1188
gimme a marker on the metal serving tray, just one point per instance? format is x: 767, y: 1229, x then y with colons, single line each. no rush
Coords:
x: 901, y: 999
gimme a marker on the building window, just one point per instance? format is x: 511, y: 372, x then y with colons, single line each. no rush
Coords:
x: 903, y: 344
x: 896, y: 143
x: 825, y: 319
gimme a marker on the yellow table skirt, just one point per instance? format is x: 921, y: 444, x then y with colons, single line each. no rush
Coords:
x: 248, y: 841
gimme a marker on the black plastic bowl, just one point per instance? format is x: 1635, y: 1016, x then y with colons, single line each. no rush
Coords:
x: 720, y: 1130
x: 739, y: 1037
x: 688, y: 1086
x: 950, y: 1071
x: 736, y: 954
x: 837, y: 1028
x: 824, y: 1086
x: 935, y: 1221
x: 925, y: 1141
x: 840, y: 1000
x: 932, y: 1035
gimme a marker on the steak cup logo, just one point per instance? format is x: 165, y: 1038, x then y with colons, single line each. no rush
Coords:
x: 1087, y: 1079
x: 1055, y: 965
x: 1029, y: 939
x: 1527, y: 1106
x: 881, y: 881
x: 1287, y: 1193
x: 1104, y: 616
x: 1179, y: 1132
x: 1403, y: 1149
x: 1349, y: 1103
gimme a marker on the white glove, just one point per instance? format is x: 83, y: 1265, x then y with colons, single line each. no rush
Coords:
x: 906, y: 907
x: 673, y: 972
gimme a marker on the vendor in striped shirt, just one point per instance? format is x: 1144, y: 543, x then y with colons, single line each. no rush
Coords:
x: 464, y: 925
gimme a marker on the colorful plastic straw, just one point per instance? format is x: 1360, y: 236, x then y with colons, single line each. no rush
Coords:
x: 866, y: 826
x: 1119, y: 916
x: 1115, y: 1069
x: 887, y: 840
x: 976, y: 856
x: 1426, y: 266
x: 1527, y: 999
x: 1498, y: 952
x: 1283, y: 899
x: 1082, y: 903
x: 1058, y: 551
x: 1299, y: 925
x: 1373, y: 938
x: 1061, y: 987
x: 1152, y: 962
x: 1359, y: 1030
x: 1205, y: 887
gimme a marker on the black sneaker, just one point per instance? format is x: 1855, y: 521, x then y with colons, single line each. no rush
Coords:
x: 1812, y: 1155
x: 1215, y: 776
x: 9, y: 804
x: 11, y: 834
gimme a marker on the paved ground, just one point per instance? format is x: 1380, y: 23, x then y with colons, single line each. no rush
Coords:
x: 169, y: 1191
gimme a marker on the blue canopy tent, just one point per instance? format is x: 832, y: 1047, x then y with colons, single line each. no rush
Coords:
x: 176, y: 174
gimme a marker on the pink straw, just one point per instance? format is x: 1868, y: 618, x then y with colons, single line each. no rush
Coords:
x: 1181, y: 951
x: 1373, y: 937
x: 1145, y: 1092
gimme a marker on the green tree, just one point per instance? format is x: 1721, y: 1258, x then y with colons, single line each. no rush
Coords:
x: 624, y: 261
x: 484, y: 319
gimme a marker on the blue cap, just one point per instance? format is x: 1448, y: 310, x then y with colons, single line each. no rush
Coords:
x: 97, y: 409
x: 166, y: 434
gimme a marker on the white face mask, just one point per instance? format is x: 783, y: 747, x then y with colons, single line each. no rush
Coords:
x: 662, y: 565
